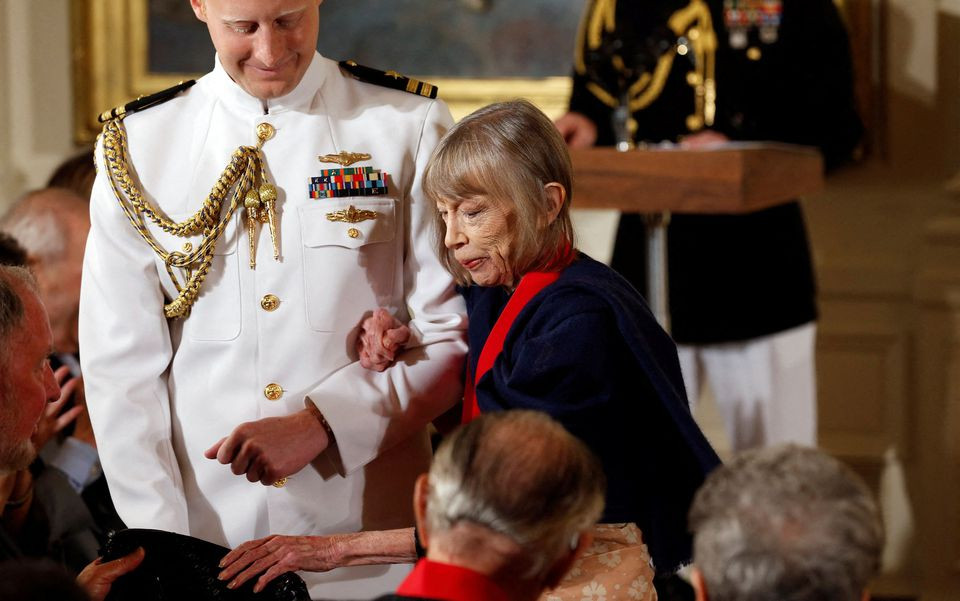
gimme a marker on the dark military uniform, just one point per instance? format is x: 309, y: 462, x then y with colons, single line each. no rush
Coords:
x: 736, y: 277
x: 782, y: 73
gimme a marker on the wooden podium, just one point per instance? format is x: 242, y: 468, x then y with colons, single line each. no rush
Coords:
x: 730, y: 178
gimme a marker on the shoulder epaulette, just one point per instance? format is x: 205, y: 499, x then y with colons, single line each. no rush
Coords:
x: 389, y: 79
x: 145, y: 102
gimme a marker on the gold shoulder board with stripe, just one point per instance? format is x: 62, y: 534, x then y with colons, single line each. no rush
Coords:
x: 389, y: 79
x: 145, y: 102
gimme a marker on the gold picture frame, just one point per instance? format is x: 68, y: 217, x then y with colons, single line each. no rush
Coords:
x: 110, y: 45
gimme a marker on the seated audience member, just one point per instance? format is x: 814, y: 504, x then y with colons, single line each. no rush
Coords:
x: 788, y: 523
x: 506, y: 509
x: 76, y: 173
x: 27, y: 384
x: 52, y: 225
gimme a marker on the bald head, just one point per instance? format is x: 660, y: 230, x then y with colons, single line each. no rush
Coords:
x: 52, y: 225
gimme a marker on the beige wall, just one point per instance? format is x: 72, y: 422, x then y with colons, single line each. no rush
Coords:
x: 36, y: 92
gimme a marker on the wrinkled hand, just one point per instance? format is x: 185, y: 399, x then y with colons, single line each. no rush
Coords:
x: 381, y: 337
x: 54, y: 418
x: 272, y: 448
x: 577, y: 130
x: 275, y: 555
x: 703, y: 139
x: 97, y: 578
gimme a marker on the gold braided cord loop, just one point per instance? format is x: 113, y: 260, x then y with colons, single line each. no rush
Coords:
x: 240, y: 175
x: 694, y: 22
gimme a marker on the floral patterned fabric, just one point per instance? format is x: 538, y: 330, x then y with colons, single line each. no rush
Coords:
x: 616, y: 567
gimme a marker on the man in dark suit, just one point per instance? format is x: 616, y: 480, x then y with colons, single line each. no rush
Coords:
x: 507, y: 507
x: 742, y: 290
x: 27, y: 384
x: 51, y: 225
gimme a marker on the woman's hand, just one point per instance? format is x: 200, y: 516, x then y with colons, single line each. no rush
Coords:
x: 275, y: 555
x: 381, y: 337
x: 54, y: 418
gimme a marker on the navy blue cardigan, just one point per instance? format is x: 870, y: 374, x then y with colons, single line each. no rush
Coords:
x: 587, y: 351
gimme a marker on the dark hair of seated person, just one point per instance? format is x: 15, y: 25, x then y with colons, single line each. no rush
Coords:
x: 11, y: 253
x: 37, y: 580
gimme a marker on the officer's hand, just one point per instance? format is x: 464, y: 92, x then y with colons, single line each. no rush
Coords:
x: 381, y: 337
x: 577, y: 130
x: 703, y: 139
x: 97, y: 578
x: 272, y: 448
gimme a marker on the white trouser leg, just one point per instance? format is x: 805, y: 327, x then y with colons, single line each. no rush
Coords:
x: 765, y: 388
x: 691, y: 373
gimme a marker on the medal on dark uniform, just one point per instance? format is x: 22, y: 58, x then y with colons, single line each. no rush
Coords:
x: 740, y: 16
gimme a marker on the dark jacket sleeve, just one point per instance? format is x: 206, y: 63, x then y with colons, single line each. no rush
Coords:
x: 560, y: 363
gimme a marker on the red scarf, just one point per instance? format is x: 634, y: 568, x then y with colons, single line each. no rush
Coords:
x: 530, y: 284
x: 435, y: 580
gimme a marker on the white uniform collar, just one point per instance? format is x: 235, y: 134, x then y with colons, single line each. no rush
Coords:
x: 299, y: 99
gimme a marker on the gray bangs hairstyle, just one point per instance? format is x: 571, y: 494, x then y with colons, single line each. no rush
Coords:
x: 508, y: 152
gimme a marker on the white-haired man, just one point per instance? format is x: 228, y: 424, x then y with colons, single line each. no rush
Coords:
x: 787, y: 522
x: 507, y: 507
x: 240, y: 230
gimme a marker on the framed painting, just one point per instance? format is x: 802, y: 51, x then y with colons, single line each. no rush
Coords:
x: 474, y: 51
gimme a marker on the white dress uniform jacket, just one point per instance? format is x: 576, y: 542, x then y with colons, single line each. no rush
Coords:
x: 161, y: 392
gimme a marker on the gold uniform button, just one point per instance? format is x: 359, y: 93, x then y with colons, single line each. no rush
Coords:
x: 280, y: 483
x: 754, y: 53
x: 273, y: 392
x: 265, y: 131
x: 270, y: 302
x: 353, y: 232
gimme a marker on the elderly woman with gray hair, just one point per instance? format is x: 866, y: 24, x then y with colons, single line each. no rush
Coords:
x: 553, y: 330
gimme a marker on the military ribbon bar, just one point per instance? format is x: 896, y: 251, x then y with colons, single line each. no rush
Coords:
x: 351, y: 181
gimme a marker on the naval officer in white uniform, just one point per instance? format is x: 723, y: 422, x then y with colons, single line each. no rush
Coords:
x: 256, y: 364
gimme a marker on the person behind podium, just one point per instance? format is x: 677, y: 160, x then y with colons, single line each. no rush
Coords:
x: 551, y: 329
x: 742, y: 288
